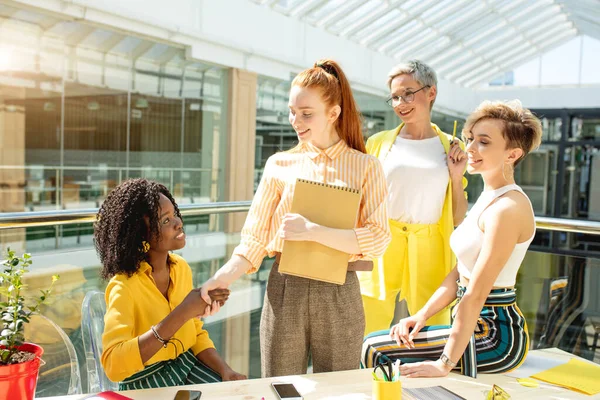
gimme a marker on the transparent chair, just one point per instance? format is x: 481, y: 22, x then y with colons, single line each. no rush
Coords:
x: 93, y: 309
x: 59, y: 374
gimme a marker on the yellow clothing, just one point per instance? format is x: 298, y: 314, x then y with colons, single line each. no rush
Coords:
x: 133, y: 305
x: 416, y: 261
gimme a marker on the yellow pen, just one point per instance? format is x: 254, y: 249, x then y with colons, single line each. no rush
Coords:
x: 374, y: 375
x: 454, y: 131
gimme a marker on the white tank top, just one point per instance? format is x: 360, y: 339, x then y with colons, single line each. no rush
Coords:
x: 467, y: 239
x: 417, y: 176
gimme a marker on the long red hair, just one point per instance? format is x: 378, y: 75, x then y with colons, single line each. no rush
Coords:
x: 327, y: 75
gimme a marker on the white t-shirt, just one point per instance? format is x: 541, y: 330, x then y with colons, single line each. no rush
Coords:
x: 417, y: 176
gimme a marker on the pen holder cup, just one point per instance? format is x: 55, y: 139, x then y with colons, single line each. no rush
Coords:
x: 383, y: 390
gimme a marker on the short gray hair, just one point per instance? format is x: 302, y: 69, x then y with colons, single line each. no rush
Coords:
x: 419, y: 71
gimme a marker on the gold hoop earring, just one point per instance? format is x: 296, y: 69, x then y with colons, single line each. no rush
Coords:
x: 512, y: 171
x: 145, y: 246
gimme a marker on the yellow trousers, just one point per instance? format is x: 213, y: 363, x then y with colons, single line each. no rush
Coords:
x: 414, y: 266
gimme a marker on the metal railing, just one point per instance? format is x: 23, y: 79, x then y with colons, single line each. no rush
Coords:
x: 70, y: 217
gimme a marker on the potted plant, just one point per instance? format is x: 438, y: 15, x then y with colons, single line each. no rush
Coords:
x: 19, y: 361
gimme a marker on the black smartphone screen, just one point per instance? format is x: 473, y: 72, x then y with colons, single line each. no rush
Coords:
x: 286, y: 391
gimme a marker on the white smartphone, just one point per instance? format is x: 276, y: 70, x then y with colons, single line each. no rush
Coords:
x: 286, y: 391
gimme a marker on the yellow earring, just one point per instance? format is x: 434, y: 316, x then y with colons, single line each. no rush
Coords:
x: 145, y: 246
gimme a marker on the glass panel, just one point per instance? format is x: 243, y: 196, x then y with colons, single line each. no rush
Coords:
x: 355, y: 15
x: 586, y: 129
x: 120, y: 118
x: 556, y: 293
x: 552, y: 128
x: 558, y: 297
x: 533, y: 174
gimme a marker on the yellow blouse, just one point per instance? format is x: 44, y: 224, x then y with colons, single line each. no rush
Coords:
x: 133, y: 305
x: 338, y: 165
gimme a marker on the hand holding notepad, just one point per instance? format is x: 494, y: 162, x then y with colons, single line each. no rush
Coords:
x: 327, y: 205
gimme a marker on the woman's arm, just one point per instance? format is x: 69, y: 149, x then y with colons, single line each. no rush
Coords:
x: 212, y: 358
x: 124, y: 352
x: 457, y: 162
x: 499, y: 240
x: 459, y: 201
x: 256, y: 234
x: 372, y: 236
x: 500, y: 237
x: 405, y: 330
x: 443, y: 296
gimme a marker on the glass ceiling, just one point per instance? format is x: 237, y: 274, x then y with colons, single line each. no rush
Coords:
x: 469, y: 42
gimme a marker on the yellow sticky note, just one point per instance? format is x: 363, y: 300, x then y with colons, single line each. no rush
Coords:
x: 576, y: 375
x: 528, y: 382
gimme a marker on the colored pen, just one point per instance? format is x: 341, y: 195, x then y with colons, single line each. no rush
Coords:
x: 454, y: 131
x: 397, y: 370
x: 374, y: 376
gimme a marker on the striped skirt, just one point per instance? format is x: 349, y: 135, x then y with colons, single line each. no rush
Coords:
x: 183, y: 370
x: 499, y: 344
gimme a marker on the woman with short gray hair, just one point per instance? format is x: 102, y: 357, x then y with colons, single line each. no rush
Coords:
x: 424, y: 169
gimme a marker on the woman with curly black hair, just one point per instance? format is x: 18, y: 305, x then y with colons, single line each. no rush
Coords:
x: 153, y: 336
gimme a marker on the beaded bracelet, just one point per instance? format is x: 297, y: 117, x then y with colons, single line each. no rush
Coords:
x: 157, y: 336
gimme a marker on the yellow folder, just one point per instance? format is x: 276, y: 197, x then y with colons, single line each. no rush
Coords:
x: 328, y: 205
x: 578, y: 375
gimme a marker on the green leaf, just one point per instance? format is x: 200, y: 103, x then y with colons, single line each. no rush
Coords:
x: 8, y: 318
x: 6, y: 333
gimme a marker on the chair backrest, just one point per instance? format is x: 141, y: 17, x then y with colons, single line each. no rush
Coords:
x: 93, y: 309
x: 59, y: 374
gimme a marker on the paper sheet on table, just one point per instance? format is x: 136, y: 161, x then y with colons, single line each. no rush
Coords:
x: 578, y: 375
x: 534, y: 363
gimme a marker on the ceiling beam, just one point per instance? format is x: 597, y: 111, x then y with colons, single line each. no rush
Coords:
x: 515, y: 62
x: 343, y: 10
x: 111, y: 43
x: 305, y: 8
x: 83, y: 31
x: 141, y: 49
x: 369, y: 19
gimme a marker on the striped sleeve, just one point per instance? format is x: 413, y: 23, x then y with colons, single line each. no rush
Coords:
x: 373, y: 234
x: 256, y: 233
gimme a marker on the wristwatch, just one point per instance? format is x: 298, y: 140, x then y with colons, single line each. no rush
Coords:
x: 446, y: 360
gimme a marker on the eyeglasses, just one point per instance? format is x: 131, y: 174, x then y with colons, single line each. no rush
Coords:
x: 409, y: 97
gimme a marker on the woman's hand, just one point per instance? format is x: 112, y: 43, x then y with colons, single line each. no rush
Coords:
x: 193, y: 305
x: 296, y: 227
x: 206, y: 290
x: 231, y: 375
x: 457, y: 161
x: 425, y: 369
x: 405, y: 331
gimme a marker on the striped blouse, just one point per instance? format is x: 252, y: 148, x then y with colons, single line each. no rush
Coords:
x: 337, y: 165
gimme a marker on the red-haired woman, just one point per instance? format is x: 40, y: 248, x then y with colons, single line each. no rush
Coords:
x: 302, y: 315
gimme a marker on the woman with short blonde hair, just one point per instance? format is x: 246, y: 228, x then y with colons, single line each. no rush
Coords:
x: 489, y: 333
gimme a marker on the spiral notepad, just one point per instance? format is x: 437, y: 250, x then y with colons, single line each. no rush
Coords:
x: 328, y: 205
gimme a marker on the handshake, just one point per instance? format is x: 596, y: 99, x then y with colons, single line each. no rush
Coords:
x: 219, y: 295
x: 194, y: 305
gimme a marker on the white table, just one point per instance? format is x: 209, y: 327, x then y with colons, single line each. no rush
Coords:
x: 356, y: 385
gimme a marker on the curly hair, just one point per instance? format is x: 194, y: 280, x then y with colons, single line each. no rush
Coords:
x: 120, y: 229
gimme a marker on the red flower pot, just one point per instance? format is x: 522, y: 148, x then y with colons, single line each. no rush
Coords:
x: 18, y: 381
